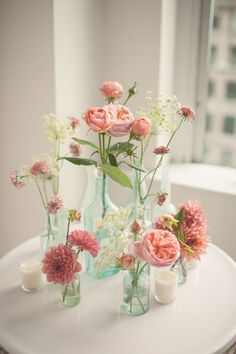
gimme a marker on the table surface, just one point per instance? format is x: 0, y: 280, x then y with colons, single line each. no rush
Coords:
x: 202, y: 319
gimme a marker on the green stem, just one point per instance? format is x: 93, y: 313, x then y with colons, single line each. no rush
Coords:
x: 67, y: 232
x: 45, y: 190
x: 40, y: 193
x: 161, y: 158
x: 65, y: 293
x: 108, y: 147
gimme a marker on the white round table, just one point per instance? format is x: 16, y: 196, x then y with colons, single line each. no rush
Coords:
x: 202, y: 319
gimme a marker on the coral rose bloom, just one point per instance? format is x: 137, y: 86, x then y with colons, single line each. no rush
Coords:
x: 141, y: 126
x: 60, y: 265
x: 121, y: 120
x: 159, y: 248
x: 98, y: 119
x: 112, y: 89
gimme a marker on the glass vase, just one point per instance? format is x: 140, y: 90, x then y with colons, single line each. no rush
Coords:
x: 90, y: 190
x: 94, y: 222
x: 136, y: 288
x: 181, y: 268
x: 54, y: 231
x: 70, y: 294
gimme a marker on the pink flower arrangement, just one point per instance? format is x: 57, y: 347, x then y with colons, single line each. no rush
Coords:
x: 187, y: 113
x: 141, y: 126
x: 54, y: 205
x: 75, y: 149
x: 40, y: 168
x: 98, y: 119
x: 121, y: 120
x: 84, y: 241
x: 161, y: 150
x: 60, y: 265
x: 16, y: 181
x: 194, y: 215
x: 112, y: 89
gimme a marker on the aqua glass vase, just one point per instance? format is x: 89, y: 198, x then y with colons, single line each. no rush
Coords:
x: 136, y: 289
x: 70, y: 293
x: 54, y: 231
x: 102, y: 265
x: 181, y: 268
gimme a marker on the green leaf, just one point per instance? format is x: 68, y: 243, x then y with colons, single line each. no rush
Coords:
x: 180, y: 236
x: 119, y: 148
x: 78, y: 161
x: 112, y: 160
x: 180, y: 216
x: 86, y: 142
x: 133, y: 166
x: 117, y: 175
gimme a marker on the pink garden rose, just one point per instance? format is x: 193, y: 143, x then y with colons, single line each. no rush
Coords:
x: 97, y: 118
x: 40, y: 168
x: 159, y: 248
x: 141, y: 126
x: 127, y: 261
x: 112, y: 89
x: 121, y: 120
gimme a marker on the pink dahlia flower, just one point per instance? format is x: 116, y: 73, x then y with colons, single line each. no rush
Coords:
x: 161, y: 150
x: 85, y: 241
x: 196, y: 239
x: 60, y: 265
x: 40, y: 168
x: 54, y: 205
x: 75, y: 149
x: 16, y: 181
x: 121, y: 120
x: 161, y: 198
x: 141, y: 126
x: 188, y: 113
x: 98, y: 119
x: 112, y: 89
x: 194, y: 215
x: 127, y: 261
x: 159, y: 248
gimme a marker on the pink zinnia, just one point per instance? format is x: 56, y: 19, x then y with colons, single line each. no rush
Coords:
x: 196, y: 239
x: 60, y: 265
x: 161, y: 150
x: 161, y: 198
x: 54, y: 205
x: 194, y: 215
x: 15, y: 179
x: 40, y: 167
x: 74, y: 122
x: 85, y: 241
x: 188, y: 113
x: 75, y: 149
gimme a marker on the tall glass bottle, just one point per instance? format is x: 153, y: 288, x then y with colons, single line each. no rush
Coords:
x: 102, y: 265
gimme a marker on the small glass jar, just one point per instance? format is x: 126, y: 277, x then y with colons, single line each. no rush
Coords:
x: 181, y: 268
x: 71, y: 293
x: 136, y: 289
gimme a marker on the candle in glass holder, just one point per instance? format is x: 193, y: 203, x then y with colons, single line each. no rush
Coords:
x: 166, y: 286
x: 31, y: 275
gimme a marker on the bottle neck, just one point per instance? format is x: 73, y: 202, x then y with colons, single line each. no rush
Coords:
x: 101, y: 186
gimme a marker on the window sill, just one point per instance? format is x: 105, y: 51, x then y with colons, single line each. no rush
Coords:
x: 206, y: 177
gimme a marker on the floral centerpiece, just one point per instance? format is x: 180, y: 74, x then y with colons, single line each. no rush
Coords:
x: 110, y: 122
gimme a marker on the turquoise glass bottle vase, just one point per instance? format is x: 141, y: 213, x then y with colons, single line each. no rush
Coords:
x: 102, y: 265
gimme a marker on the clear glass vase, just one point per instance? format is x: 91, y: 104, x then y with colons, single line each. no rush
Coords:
x: 54, y: 231
x: 136, y: 288
x: 181, y: 268
x: 102, y: 265
x: 70, y: 294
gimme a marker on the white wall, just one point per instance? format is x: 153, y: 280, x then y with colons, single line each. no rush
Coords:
x: 26, y: 93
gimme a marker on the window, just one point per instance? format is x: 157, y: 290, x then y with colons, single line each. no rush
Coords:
x: 231, y: 90
x: 229, y: 125
x: 232, y: 55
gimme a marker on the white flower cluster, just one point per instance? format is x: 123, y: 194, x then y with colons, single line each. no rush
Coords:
x: 163, y: 112
x: 57, y: 129
x: 118, y: 220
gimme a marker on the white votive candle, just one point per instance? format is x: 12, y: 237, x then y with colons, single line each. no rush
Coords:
x: 166, y: 286
x: 31, y: 275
